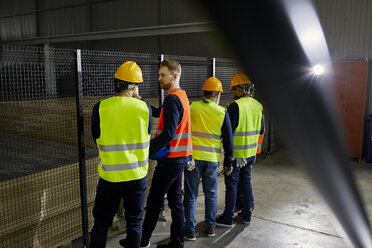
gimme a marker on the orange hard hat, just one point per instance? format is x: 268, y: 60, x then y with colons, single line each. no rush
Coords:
x: 238, y: 79
x: 213, y: 84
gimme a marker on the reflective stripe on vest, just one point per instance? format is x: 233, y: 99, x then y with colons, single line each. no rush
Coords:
x: 245, y: 140
x: 176, y: 136
x: 206, y: 135
x: 181, y: 144
x: 122, y: 167
x: 124, y: 141
x: 206, y: 123
x: 123, y: 147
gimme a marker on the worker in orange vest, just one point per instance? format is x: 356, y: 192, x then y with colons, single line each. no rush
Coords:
x: 173, y: 134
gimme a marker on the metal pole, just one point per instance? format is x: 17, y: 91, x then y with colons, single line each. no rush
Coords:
x: 161, y: 91
x: 49, y: 72
x: 213, y: 67
x: 81, y: 148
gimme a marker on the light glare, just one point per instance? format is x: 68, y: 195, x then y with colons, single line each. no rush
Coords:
x: 318, y: 69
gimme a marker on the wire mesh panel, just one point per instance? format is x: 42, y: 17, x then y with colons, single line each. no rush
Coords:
x: 225, y: 70
x: 99, y: 68
x: 39, y: 179
x: 195, y: 70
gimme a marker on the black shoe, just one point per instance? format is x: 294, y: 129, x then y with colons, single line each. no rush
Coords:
x: 245, y: 221
x: 190, y: 236
x: 145, y: 245
x: 123, y: 242
x: 238, y: 206
x: 220, y: 221
x: 164, y: 246
x: 210, y: 232
x: 169, y: 245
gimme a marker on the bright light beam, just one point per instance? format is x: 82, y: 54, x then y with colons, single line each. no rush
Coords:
x: 318, y: 69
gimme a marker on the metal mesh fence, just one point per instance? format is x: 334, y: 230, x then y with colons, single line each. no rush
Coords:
x: 195, y: 70
x: 39, y: 175
x: 39, y: 200
x: 225, y: 70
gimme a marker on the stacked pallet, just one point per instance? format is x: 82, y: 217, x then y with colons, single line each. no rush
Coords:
x: 43, y: 209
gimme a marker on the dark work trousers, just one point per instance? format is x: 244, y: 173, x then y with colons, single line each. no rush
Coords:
x: 106, y: 204
x: 243, y: 175
x: 167, y: 179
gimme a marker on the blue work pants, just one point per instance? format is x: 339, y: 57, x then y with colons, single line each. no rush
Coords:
x: 208, y: 173
x: 243, y: 176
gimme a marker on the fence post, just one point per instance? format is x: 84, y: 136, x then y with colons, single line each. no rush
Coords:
x: 161, y: 91
x: 49, y: 72
x: 213, y: 67
x: 81, y: 147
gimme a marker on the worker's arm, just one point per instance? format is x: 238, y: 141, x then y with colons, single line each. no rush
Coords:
x: 262, y: 132
x: 150, y: 118
x: 95, y: 122
x: 227, y: 139
x: 172, y: 114
x: 233, y: 111
x: 155, y: 111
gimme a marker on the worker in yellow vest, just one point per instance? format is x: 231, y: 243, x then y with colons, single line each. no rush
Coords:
x: 210, y: 126
x: 121, y: 127
x: 247, y: 122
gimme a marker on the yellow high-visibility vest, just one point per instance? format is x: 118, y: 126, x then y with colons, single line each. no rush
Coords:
x: 124, y: 141
x: 206, y: 123
x: 245, y: 140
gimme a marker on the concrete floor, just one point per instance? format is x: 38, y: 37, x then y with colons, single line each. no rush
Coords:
x: 288, y: 212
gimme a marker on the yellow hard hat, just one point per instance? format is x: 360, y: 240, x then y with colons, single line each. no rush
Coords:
x: 129, y: 71
x: 239, y: 78
x: 213, y: 84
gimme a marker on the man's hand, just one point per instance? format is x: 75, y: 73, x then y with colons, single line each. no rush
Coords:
x: 228, y: 170
x: 135, y: 93
x: 190, y: 165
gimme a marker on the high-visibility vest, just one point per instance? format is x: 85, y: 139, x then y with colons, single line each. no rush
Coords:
x: 181, y: 144
x: 246, y: 135
x: 206, y: 123
x: 259, y: 144
x: 124, y: 141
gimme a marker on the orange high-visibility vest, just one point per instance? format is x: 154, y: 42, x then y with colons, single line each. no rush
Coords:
x: 181, y: 144
x: 259, y: 144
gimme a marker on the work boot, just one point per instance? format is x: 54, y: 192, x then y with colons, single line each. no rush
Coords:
x: 210, y: 232
x: 190, y: 236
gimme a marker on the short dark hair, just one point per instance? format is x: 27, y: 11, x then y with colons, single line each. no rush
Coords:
x: 207, y: 93
x: 121, y: 85
x: 172, y: 65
